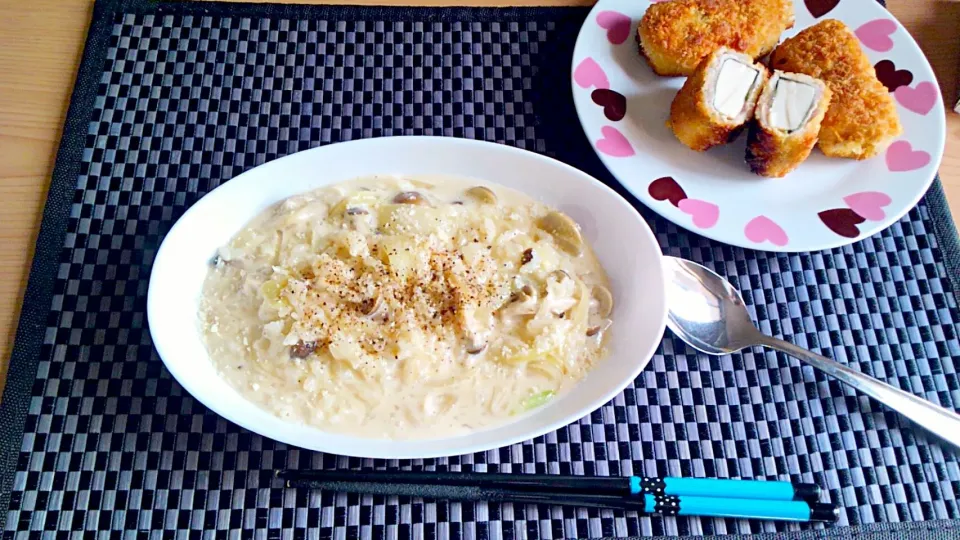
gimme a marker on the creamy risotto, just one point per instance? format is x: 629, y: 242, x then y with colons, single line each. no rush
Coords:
x: 405, y: 308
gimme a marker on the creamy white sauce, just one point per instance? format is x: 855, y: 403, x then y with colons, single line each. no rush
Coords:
x: 450, y: 275
x: 792, y: 101
x: 734, y: 82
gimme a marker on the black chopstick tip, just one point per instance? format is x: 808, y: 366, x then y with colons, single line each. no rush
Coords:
x: 824, y: 512
x: 806, y: 492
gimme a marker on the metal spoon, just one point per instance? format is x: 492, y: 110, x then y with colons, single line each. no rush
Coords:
x: 709, y: 314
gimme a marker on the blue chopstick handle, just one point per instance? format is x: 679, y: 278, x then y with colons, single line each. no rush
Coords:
x: 716, y: 487
x: 669, y: 505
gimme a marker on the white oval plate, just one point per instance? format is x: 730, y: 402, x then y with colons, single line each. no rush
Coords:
x: 825, y: 203
x: 624, y: 244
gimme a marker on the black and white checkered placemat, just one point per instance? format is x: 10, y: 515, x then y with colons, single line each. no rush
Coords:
x: 173, y: 99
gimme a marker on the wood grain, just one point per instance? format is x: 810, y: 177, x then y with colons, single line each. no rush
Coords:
x: 40, y: 46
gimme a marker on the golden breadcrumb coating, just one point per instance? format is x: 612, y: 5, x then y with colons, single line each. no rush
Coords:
x: 775, y: 152
x: 862, y: 119
x: 692, y: 117
x: 675, y: 36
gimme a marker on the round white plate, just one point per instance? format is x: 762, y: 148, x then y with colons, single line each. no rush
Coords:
x: 825, y: 203
x: 608, y: 222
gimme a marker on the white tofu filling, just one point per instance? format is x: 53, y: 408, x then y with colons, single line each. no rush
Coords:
x: 791, y: 105
x: 735, y: 80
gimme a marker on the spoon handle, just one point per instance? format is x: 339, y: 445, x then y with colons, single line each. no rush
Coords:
x: 942, y: 422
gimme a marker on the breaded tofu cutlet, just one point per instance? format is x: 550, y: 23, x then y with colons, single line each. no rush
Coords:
x: 862, y: 118
x: 786, y: 123
x: 675, y: 36
x: 717, y: 99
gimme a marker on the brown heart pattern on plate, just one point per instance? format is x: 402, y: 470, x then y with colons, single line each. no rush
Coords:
x: 667, y: 189
x: 819, y: 8
x: 891, y: 77
x: 613, y: 103
x: 842, y: 221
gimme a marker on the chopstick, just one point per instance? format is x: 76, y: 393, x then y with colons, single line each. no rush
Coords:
x: 649, y: 504
x: 597, y: 485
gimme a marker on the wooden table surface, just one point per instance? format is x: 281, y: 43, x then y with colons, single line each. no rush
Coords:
x: 40, y: 46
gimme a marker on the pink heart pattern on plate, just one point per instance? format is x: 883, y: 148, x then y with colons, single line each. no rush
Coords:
x: 920, y: 99
x: 705, y: 214
x: 761, y: 229
x: 613, y: 103
x: 891, y: 76
x: 613, y: 143
x: 588, y: 73
x: 876, y: 34
x: 666, y: 188
x: 842, y: 221
x: 617, y: 25
x: 868, y: 204
x: 819, y: 8
x: 901, y: 157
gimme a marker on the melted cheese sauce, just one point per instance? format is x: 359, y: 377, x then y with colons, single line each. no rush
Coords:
x: 405, y: 308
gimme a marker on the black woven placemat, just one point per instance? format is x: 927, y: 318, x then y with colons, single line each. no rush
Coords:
x: 173, y: 99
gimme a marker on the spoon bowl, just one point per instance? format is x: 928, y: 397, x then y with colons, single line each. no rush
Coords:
x: 705, y: 310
